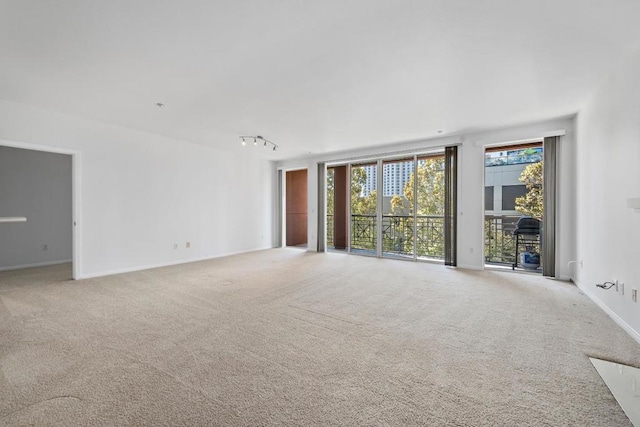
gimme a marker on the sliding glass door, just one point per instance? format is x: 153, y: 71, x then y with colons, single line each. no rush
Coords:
x: 430, y: 200
x: 399, y: 208
x: 364, y: 208
x: 398, y: 217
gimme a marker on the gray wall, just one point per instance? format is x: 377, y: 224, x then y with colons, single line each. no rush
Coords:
x: 499, y: 176
x: 36, y: 185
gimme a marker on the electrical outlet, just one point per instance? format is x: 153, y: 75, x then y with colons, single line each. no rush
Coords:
x: 616, y: 283
x: 175, y: 246
x: 45, y: 247
x: 621, y: 288
x: 634, y: 295
x: 188, y: 245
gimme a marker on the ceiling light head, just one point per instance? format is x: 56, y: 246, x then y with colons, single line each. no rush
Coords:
x: 440, y: 131
x: 256, y: 139
x: 159, y: 104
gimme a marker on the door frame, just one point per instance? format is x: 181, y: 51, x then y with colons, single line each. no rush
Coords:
x: 378, y: 161
x: 505, y: 144
x: 281, y: 231
x: 76, y: 211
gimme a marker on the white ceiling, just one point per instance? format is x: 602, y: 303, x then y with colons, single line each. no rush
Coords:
x: 312, y: 76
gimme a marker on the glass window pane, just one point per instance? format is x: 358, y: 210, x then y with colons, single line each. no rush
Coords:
x: 430, y: 207
x: 330, y: 206
x: 509, y: 195
x: 488, y: 198
x: 364, y: 205
x: 397, y: 208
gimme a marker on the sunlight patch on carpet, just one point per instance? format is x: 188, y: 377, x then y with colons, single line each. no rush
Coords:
x: 624, y: 383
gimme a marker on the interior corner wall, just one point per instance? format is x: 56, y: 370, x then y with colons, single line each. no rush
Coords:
x: 608, y: 175
x: 35, y: 185
x: 141, y: 193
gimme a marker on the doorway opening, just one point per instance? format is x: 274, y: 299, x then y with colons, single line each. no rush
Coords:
x: 37, y: 225
x: 336, y: 203
x: 514, y: 207
x: 296, y: 208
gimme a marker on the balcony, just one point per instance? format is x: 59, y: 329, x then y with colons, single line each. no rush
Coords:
x: 500, y: 242
x: 398, y: 237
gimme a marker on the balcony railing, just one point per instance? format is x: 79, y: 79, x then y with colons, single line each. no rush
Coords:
x: 398, y: 238
x: 329, y: 230
x: 363, y: 232
x: 499, y: 241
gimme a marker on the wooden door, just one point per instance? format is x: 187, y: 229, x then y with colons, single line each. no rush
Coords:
x: 296, y: 207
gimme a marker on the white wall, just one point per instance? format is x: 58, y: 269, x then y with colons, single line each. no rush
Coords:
x: 141, y: 193
x: 35, y: 185
x: 471, y: 185
x: 608, y: 233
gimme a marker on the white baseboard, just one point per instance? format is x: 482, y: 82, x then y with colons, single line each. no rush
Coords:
x: 624, y: 325
x: 166, y: 264
x: 37, y: 264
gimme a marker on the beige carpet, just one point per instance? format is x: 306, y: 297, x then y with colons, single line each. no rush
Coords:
x: 292, y: 338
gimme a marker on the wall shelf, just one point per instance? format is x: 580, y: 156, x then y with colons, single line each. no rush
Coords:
x: 12, y: 219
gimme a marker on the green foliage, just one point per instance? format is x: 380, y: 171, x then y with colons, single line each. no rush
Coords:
x: 499, y: 244
x: 531, y: 203
x: 360, y: 204
x: 398, y: 204
x: 330, y: 204
x: 398, y: 228
x: 430, y: 211
x: 430, y: 176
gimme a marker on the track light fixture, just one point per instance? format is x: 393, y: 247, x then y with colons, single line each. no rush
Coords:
x: 256, y: 138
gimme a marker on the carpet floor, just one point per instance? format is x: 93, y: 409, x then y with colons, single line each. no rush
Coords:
x: 287, y: 337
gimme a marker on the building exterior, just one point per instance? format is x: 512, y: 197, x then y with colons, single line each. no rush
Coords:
x: 502, y: 178
x: 394, y: 178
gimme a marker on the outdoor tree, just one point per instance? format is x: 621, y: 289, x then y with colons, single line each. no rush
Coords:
x: 430, y: 197
x: 398, y: 204
x: 531, y: 203
x: 361, y: 204
x: 429, y: 177
x: 363, y: 210
x: 330, y: 205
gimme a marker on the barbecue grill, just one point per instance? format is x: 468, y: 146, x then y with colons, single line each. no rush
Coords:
x: 527, y: 234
